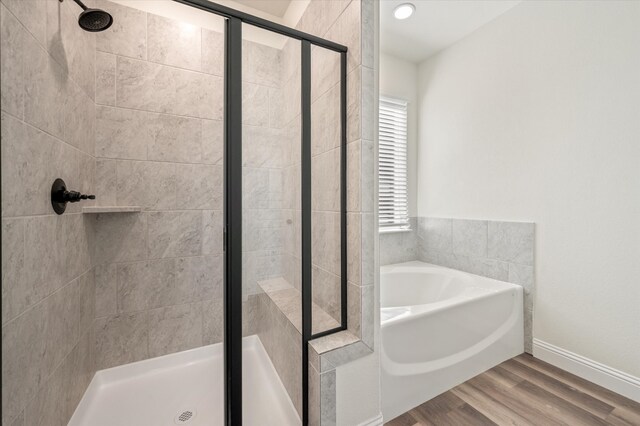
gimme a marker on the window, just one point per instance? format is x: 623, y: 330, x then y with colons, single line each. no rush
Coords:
x: 392, y: 174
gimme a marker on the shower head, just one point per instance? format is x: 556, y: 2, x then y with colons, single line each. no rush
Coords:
x: 93, y: 20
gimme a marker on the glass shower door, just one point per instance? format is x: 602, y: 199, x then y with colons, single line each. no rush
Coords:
x: 271, y: 303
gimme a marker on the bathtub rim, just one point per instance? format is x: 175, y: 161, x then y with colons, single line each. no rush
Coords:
x: 420, y: 310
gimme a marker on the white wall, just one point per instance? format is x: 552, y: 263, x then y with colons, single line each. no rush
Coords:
x: 399, y: 79
x: 536, y: 117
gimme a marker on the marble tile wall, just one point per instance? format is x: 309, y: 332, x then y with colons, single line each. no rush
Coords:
x: 48, y: 284
x: 400, y: 246
x: 326, y: 354
x: 498, y: 250
x: 349, y: 22
x: 345, y: 22
x: 264, y: 164
x: 283, y: 344
x: 322, y: 397
x: 158, y: 145
x: 325, y: 179
x: 353, y: 27
x: 290, y: 89
x: 134, y: 115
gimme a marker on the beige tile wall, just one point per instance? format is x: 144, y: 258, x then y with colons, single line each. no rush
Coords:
x: 325, y: 146
x: 283, y: 344
x: 263, y: 151
x: 350, y: 23
x: 159, y: 145
x: 325, y: 179
x: 291, y: 79
x: 155, y: 111
x: 48, y: 126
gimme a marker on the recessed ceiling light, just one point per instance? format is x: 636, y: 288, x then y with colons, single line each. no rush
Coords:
x: 404, y: 11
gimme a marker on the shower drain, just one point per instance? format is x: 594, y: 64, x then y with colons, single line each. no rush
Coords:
x: 185, y: 417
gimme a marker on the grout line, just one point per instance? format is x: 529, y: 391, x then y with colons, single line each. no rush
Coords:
x: 115, y: 82
x: 146, y: 319
x: 184, y: 116
x: 146, y: 233
x: 487, y: 247
x: 174, y: 67
x: 146, y: 310
x: 117, y: 280
x: 146, y: 36
x: 24, y: 26
x: 139, y: 160
x: 44, y: 299
x: 24, y: 245
x: 43, y: 47
x: 15, y: 117
x: 41, y: 216
x: 202, y: 50
x: 53, y: 371
x: 95, y: 80
x: 57, y: 138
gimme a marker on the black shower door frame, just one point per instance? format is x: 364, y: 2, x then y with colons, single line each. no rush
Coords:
x: 233, y: 198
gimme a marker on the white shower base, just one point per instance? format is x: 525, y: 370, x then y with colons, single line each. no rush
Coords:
x: 157, y: 391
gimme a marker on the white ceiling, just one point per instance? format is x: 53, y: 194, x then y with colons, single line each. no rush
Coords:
x: 435, y: 25
x: 273, y: 7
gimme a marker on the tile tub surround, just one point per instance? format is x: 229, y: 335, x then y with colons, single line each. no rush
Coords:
x: 48, y: 285
x: 399, y: 246
x: 498, y: 250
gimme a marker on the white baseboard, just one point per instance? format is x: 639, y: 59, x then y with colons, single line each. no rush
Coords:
x: 600, y: 374
x: 376, y: 421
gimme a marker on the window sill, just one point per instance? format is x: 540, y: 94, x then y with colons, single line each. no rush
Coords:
x: 394, y: 231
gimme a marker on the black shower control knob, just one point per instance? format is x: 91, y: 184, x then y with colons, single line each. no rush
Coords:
x: 60, y: 196
x: 75, y: 196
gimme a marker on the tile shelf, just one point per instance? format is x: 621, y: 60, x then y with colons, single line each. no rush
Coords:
x: 288, y: 300
x: 111, y: 209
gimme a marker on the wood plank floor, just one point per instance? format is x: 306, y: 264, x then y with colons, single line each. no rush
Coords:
x: 524, y: 391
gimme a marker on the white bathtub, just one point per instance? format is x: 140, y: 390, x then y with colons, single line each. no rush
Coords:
x: 441, y: 327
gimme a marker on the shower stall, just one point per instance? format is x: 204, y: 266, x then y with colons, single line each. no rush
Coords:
x: 188, y: 290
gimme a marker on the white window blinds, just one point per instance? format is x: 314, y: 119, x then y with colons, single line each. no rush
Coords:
x: 392, y: 174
